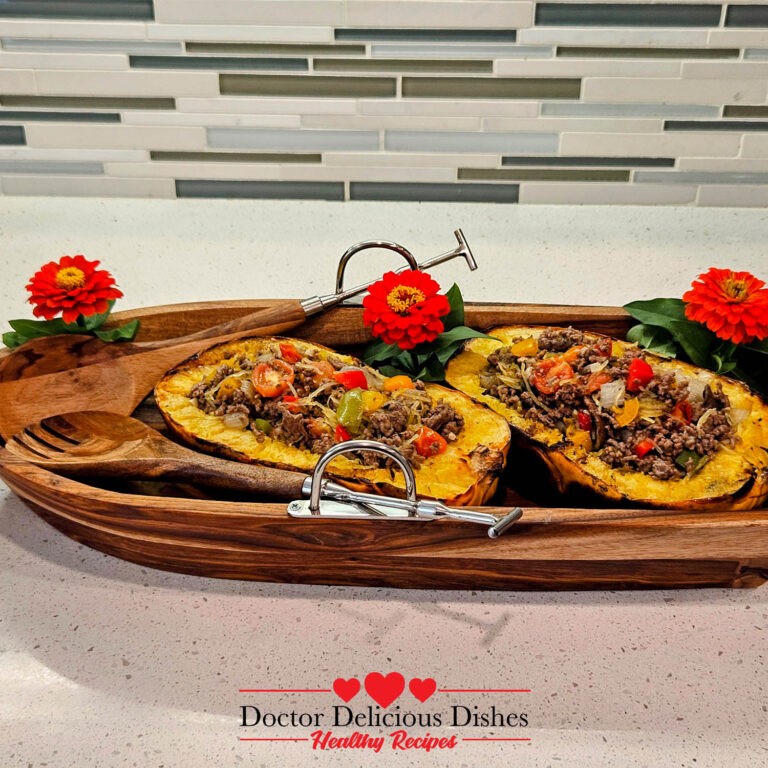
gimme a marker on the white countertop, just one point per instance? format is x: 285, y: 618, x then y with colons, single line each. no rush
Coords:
x: 104, y: 663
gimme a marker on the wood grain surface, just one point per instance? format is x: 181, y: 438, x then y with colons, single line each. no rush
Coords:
x: 251, y: 537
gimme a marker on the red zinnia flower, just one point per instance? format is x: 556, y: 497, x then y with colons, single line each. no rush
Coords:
x: 733, y: 305
x: 72, y: 286
x: 405, y: 308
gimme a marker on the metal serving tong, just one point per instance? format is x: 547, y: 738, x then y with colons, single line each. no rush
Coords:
x: 325, y: 498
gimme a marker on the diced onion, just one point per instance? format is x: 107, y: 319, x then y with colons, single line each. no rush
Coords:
x: 237, y: 420
x: 696, y: 387
x: 595, y: 367
x: 612, y: 394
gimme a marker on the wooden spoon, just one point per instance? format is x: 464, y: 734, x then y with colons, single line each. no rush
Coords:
x: 119, y: 382
x: 99, y: 444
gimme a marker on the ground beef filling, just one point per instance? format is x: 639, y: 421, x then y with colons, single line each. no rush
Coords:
x: 310, y: 425
x: 684, y: 431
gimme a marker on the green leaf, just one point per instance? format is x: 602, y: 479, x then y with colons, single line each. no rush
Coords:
x: 456, y: 315
x: 390, y: 370
x: 12, y: 339
x: 33, y: 329
x: 92, y: 322
x: 661, y: 312
x: 723, y: 365
x: 123, y: 333
x: 459, y: 333
x: 653, y: 338
x: 696, y: 459
x: 696, y: 341
x: 378, y: 350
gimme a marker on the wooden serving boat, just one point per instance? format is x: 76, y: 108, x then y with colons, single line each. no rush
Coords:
x: 180, y: 528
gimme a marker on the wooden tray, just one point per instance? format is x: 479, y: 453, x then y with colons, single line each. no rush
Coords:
x: 191, y: 532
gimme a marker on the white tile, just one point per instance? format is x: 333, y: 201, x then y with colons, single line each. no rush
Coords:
x: 597, y: 193
x: 162, y: 117
x: 742, y: 196
x: 95, y: 61
x: 725, y: 69
x: 599, y: 109
x: 631, y: 38
x: 649, y: 145
x: 307, y: 12
x: 459, y: 50
x: 410, y: 160
x: 448, y: 107
x: 302, y: 140
x: 267, y: 105
x: 17, y: 81
x: 754, y: 145
x: 94, y: 30
x: 292, y: 172
x: 471, y: 141
x: 733, y: 164
x: 575, y: 67
x: 392, y: 121
x: 574, y: 124
x: 683, y: 91
x: 240, y: 33
x: 87, y: 186
x: 115, y: 136
x: 144, y: 83
x: 58, y: 154
x: 445, y: 15
x: 737, y: 38
x: 196, y: 170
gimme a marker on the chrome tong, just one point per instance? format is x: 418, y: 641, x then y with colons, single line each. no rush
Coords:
x: 325, y: 498
x: 316, y: 304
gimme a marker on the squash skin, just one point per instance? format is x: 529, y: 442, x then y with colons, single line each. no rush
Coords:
x: 467, y: 473
x: 732, y: 480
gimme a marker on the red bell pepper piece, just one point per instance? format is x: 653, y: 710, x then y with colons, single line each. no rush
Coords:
x: 341, y: 434
x: 638, y: 375
x: 289, y: 353
x: 644, y: 446
x: 352, y: 379
x: 584, y: 420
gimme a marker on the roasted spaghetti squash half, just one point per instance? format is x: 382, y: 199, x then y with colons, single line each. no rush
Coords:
x: 283, y: 402
x: 628, y: 425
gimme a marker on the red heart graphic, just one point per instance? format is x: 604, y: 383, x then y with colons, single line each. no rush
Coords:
x: 422, y: 689
x: 384, y: 690
x: 346, y: 690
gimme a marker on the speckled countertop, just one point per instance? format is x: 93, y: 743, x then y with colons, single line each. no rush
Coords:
x: 104, y: 663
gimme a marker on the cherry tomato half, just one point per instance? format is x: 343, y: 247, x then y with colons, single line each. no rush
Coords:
x: 272, y: 377
x: 429, y: 443
x: 289, y: 353
x: 595, y: 381
x: 549, y: 375
x: 683, y: 411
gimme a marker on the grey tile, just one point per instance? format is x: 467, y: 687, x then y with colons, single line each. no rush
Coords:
x: 283, y: 49
x: 219, y: 63
x: 41, y: 44
x: 469, y: 141
x: 82, y: 9
x: 700, y: 177
x: 627, y: 15
x: 459, y: 50
x: 430, y: 35
x: 92, y: 102
x: 746, y: 16
x: 51, y: 167
x: 599, y: 162
x: 756, y: 53
x: 745, y: 110
x: 715, y: 125
x: 583, y: 109
x: 12, y: 134
x: 308, y: 140
x: 290, y: 85
x: 60, y: 117
x: 236, y: 157
x: 543, y: 174
x: 403, y: 65
x: 583, y: 51
x: 491, y: 87
x: 443, y: 193
x: 269, y: 190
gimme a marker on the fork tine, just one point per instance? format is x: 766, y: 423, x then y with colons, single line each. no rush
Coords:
x: 62, y: 428
x: 45, y: 441
x: 20, y: 448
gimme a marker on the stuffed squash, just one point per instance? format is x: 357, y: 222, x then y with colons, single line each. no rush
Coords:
x: 629, y: 425
x: 283, y: 402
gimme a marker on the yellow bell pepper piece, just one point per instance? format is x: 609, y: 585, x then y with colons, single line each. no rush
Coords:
x: 398, y: 382
x: 627, y: 413
x: 581, y: 438
x: 525, y: 347
x: 229, y: 386
x: 373, y: 400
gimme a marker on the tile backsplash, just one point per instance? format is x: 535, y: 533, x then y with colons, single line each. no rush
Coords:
x: 503, y: 101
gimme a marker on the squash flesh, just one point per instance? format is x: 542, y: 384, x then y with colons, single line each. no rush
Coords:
x: 452, y: 476
x: 732, y: 479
